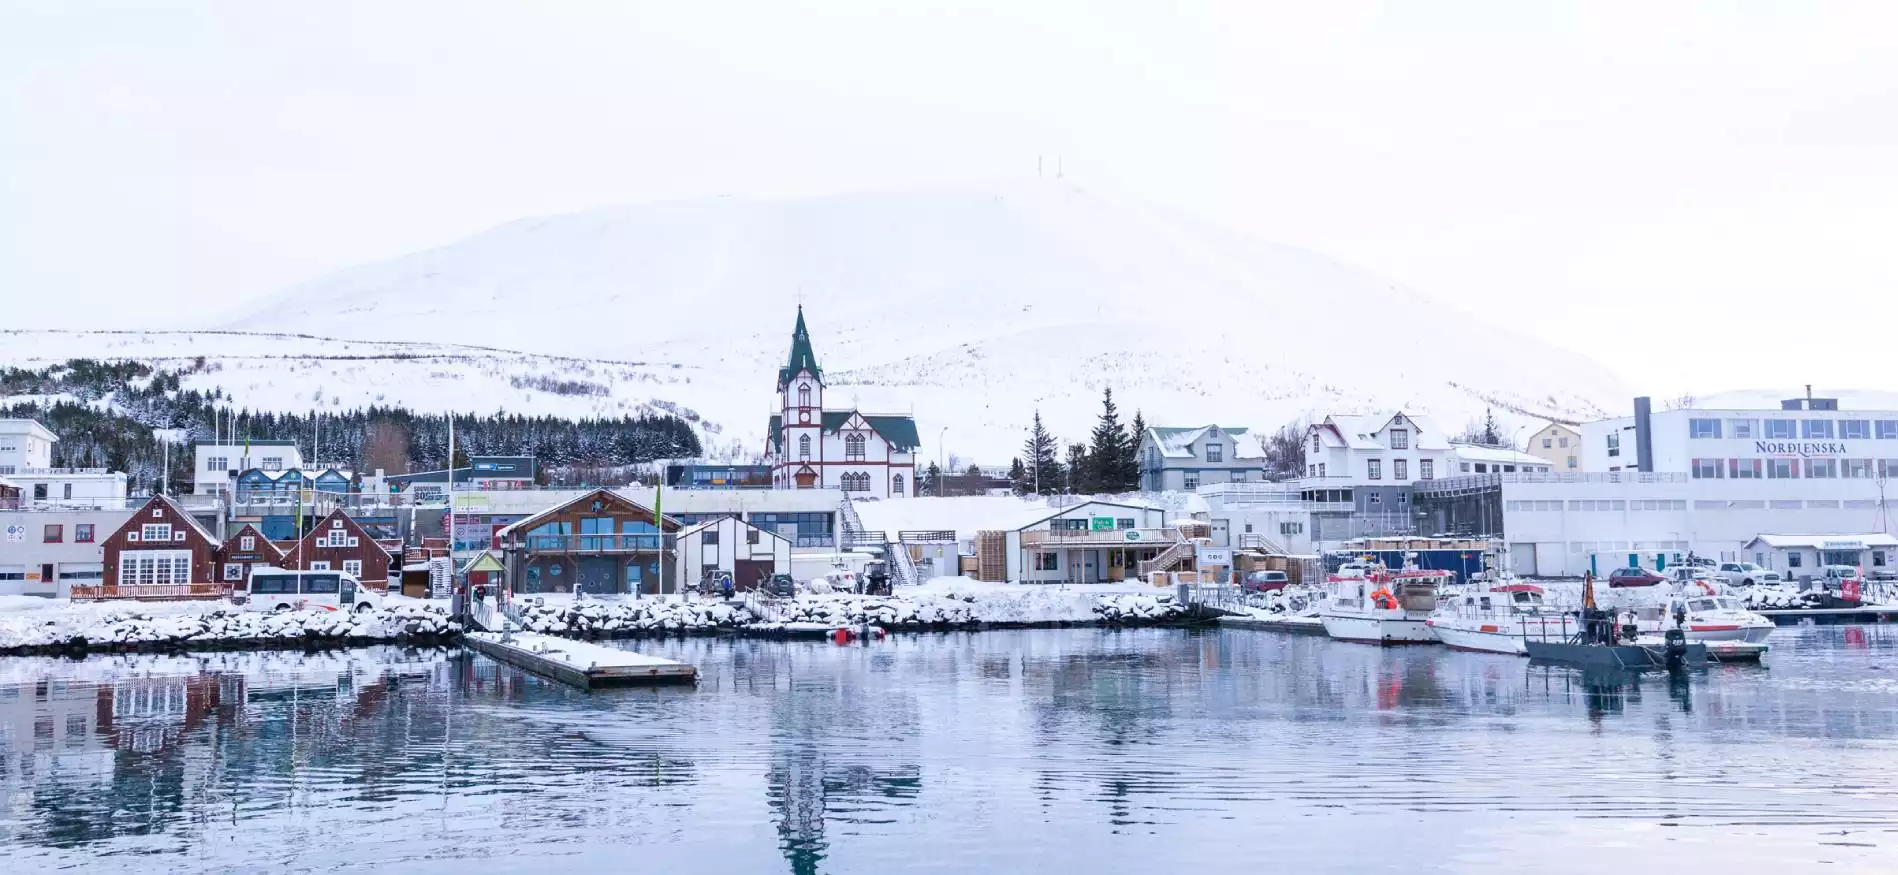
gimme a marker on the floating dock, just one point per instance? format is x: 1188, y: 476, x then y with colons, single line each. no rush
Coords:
x: 580, y: 663
x: 1292, y: 625
x: 1830, y: 616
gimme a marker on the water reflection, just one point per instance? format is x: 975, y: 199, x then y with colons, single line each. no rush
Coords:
x: 1054, y: 749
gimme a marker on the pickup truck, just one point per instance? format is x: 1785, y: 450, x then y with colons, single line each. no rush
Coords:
x: 1747, y: 574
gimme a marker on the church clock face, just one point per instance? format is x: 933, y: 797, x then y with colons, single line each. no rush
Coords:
x: 804, y: 417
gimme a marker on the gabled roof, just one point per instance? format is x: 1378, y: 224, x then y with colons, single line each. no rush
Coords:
x: 322, y: 525
x: 1057, y: 511
x: 1500, y: 455
x: 900, y: 431
x: 1177, y: 443
x: 1356, y: 430
x: 177, y: 511
x: 264, y: 545
x: 604, y: 495
x: 802, y: 357
x: 713, y: 523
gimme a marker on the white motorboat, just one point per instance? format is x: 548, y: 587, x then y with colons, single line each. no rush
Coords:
x: 1371, y: 605
x: 1496, y: 619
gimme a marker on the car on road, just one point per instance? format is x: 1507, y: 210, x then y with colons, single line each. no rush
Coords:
x: 1746, y: 574
x: 1264, y: 581
x: 1627, y: 577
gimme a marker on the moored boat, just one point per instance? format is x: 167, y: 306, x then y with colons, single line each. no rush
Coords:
x: 1371, y: 605
x: 1495, y: 618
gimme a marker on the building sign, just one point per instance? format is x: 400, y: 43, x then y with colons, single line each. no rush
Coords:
x: 1101, y: 523
x: 1213, y: 556
x: 16, y: 534
x: 1131, y: 534
x: 1800, y: 448
x: 1842, y: 544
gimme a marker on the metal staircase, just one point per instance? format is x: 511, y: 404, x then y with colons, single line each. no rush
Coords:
x: 902, y: 565
x: 852, y: 524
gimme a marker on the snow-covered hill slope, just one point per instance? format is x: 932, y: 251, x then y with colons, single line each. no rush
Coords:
x: 970, y: 306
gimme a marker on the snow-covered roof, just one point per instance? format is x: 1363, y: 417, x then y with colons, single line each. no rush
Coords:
x: 1057, y: 511
x: 1357, y: 430
x: 1504, y: 455
x: 27, y: 427
x: 1873, y: 541
x: 1177, y: 443
x: 714, y: 522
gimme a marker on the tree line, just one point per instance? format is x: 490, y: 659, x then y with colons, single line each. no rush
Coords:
x: 112, y: 414
x: 1108, y: 462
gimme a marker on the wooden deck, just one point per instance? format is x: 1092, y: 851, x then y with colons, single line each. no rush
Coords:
x: 579, y: 663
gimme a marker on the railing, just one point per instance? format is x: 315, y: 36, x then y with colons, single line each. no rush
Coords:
x: 150, y: 592
x: 860, y: 538
x: 814, y: 541
x: 1099, y: 538
x: 605, y: 543
x: 903, y: 565
x: 926, y: 537
x: 1167, y: 558
x: 68, y: 505
x: 1263, y: 493
x: 1261, y: 541
x: 56, y: 472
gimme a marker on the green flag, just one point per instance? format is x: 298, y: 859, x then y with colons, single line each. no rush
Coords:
x: 658, y: 502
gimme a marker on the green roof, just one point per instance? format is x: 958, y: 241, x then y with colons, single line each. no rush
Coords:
x: 802, y: 357
x: 900, y: 431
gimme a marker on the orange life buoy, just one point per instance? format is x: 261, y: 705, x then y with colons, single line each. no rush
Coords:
x: 1383, y: 599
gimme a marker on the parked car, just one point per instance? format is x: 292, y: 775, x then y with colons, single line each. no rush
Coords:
x: 1264, y: 581
x: 1625, y: 577
x: 1746, y: 574
x: 1691, y: 574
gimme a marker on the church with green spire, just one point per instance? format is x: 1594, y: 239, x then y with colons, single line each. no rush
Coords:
x: 813, y: 447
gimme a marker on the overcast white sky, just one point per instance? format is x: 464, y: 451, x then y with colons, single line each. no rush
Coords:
x: 1702, y: 194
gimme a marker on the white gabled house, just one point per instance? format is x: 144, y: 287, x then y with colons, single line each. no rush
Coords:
x: 1089, y: 542
x: 728, y: 544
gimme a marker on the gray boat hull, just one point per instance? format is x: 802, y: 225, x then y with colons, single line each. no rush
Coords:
x: 1628, y: 656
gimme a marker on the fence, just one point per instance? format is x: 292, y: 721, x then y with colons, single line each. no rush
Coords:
x: 150, y: 592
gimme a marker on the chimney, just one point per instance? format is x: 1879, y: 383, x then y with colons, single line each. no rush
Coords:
x: 1643, y: 434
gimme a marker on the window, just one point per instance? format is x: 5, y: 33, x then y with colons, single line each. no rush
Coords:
x: 1374, y: 498
x: 1547, y: 443
x: 896, y: 485
x: 709, y: 536
x: 1571, y: 462
x: 804, y: 395
x: 1744, y: 469
x: 1886, y: 429
x: 273, y: 463
x: 154, y: 567
x: 353, y: 566
x: 1888, y: 468
x: 66, y: 491
x: 853, y: 448
x: 1782, y: 469
x: 39, y: 492
x: 1816, y: 429
x: 1855, y: 429
x: 1189, y: 480
x: 1374, y: 469
x: 323, y: 565
x: 155, y: 532
x: 1124, y: 523
x: 1400, y: 469
x: 82, y: 533
x: 1747, y: 429
x: 803, y: 446
x: 248, y: 542
x: 1291, y: 528
x: 1047, y: 562
x: 1400, y: 439
x: 1703, y: 428
x: 1779, y: 430
x: 1321, y: 469
x: 1465, y: 467
x: 1792, y: 559
x: 1614, y: 444
x: 1238, y: 476
x: 751, y: 535
x: 1562, y: 442
x: 1215, y: 452
x: 1857, y: 469
x: 1068, y: 525
x: 1424, y: 469
x: 54, y: 534
x: 1822, y: 468
x: 217, y: 463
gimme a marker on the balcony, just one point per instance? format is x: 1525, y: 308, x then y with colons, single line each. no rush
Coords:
x: 1099, y: 538
x: 602, y: 544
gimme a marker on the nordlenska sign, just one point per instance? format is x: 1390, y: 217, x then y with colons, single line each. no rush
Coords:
x: 1800, y: 448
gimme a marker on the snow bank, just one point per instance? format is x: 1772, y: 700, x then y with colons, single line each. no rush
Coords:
x: 198, y: 625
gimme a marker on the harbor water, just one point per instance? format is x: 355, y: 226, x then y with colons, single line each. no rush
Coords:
x: 1072, y: 750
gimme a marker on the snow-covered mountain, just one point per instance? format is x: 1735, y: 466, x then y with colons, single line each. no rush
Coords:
x: 970, y: 306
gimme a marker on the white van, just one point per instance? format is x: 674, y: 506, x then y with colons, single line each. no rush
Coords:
x: 275, y: 589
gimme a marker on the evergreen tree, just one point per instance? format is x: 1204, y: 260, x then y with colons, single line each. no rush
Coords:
x: 1018, y: 475
x: 1492, y: 434
x: 976, y: 470
x: 1077, y: 472
x: 1133, y: 448
x: 932, y: 480
x: 1043, y: 463
x: 1113, y: 462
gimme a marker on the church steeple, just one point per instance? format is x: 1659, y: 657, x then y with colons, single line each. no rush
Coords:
x: 802, y: 358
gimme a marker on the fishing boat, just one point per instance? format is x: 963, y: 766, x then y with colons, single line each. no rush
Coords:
x: 1369, y: 604
x: 1730, y: 631
x: 1598, y: 641
x: 1495, y: 617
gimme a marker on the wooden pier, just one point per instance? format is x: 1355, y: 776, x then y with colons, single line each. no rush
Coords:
x: 579, y: 663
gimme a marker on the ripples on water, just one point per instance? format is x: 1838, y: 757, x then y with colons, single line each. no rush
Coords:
x: 1053, y: 750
